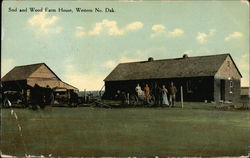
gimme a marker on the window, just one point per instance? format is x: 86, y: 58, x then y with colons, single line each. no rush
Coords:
x: 230, y: 86
x: 189, y: 89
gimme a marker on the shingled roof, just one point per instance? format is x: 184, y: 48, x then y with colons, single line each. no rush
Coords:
x: 23, y: 72
x: 168, y: 68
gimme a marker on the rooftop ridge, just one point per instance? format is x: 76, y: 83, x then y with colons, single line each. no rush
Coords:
x: 144, y: 61
x: 29, y: 65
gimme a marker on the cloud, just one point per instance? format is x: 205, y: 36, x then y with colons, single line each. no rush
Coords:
x: 82, y: 80
x: 44, y: 24
x: 158, y: 27
x: 133, y: 56
x: 80, y: 32
x: 245, y: 2
x: 160, y: 30
x: 110, y: 64
x: 109, y: 27
x: 134, y: 26
x: 234, y: 35
x: 176, y: 32
x: 202, y: 37
x: 124, y: 59
x: 7, y: 65
x: 58, y: 29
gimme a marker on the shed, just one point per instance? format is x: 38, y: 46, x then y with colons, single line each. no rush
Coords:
x: 26, y: 76
x: 245, y: 94
x: 211, y: 78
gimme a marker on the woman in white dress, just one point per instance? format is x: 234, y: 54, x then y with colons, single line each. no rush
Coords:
x: 165, y: 96
x: 139, y: 91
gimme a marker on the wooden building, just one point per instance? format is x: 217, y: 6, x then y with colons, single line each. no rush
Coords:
x: 24, y: 77
x: 245, y: 95
x: 211, y: 78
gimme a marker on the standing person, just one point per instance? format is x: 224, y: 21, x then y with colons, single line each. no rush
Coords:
x: 147, y: 93
x: 173, y: 91
x: 138, y: 89
x: 158, y: 95
x: 165, y: 96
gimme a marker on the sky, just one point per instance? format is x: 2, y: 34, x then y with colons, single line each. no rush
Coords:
x: 82, y: 48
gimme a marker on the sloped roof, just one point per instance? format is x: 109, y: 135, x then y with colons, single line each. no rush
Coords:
x: 168, y: 68
x: 23, y: 72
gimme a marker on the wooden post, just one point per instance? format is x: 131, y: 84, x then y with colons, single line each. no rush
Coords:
x: 85, y: 98
x: 181, y: 97
x: 128, y: 98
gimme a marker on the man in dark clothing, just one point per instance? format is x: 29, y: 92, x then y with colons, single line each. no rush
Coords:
x: 157, y: 92
x: 173, y: 91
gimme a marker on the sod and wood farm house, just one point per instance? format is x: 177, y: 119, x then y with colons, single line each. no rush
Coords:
x: 23, y: 78
x: 211, y: 78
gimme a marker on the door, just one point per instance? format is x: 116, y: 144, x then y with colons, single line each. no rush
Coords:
x: 222, y: 90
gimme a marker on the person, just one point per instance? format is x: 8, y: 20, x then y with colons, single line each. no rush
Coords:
x: 173, y: 91
x: 165, y: 96
x: 158, y: 94
x: 147, y: 93
x: 138, y: 90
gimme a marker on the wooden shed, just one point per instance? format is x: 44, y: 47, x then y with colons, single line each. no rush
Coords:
x: 26, y: 76
x: 211, y: 78
x: 245, y: 94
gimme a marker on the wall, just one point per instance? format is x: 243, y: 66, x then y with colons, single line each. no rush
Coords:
x: 227, y: 72
x: 234, y: 96
x: 200, y: 89
x: 43, y: 72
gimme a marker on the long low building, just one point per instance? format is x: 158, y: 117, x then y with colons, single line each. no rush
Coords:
x: 24, y: 77
x: 211, y: 78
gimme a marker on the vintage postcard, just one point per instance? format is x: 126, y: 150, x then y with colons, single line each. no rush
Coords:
x: 125, y: 79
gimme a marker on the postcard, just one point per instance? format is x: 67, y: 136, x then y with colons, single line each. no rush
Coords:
x: 125, y: 79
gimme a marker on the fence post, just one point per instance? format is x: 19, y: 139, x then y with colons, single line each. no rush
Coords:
x: 85, y: 95
x: 181, y: 97
x: 128, y: 98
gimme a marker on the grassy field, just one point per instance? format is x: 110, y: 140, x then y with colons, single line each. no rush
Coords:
x: 196, y: 130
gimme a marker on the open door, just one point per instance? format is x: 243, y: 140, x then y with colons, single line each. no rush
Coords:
x: 222, y: 90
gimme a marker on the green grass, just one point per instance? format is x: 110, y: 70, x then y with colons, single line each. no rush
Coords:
x: 196, y: 130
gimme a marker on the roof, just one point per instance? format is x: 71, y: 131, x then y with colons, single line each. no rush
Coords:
x: 168, y: 68
x: 23, y: 72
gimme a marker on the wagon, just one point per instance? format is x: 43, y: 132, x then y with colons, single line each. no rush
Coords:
x: 140, y: 99
x: 12, y: 98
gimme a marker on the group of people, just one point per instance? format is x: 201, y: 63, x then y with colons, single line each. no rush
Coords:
x: 160, y: 94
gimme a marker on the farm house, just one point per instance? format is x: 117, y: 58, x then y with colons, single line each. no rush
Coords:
x: 203, y: 78
x: 23, y: 78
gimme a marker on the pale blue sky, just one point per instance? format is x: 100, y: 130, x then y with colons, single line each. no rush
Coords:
x: 83, y: 48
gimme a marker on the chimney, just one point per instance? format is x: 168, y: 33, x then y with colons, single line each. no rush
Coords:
x: 185, y: 56
x: 150, y: 59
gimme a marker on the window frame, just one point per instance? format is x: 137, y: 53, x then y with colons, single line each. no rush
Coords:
x: 231, y: 85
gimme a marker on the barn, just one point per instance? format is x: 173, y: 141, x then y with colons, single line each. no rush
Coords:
x: 203, y: 78
x: 23, y: 78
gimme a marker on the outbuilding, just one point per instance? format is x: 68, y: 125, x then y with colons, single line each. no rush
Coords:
x: 203, y: 78
x: 23, y: 78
